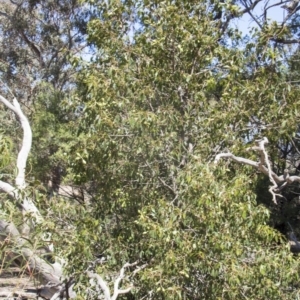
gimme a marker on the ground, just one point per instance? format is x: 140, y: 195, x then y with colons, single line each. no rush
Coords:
x: 15, y: 284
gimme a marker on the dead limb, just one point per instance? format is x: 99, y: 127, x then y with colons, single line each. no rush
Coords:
x: 264, y: 166
x: 48, y: 274
x: 102, y: 284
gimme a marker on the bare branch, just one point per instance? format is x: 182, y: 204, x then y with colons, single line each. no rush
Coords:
x: 27, y: 140
x: 266, y: 8
x: 28, y: 205
x: 261, y: 146
x: 247, y: 9
x: 263, y: 165
x: 117, y: 291
x: 237, y: 159
x: 26, y: 145
x: 104, y: 286
x: 7, y: 188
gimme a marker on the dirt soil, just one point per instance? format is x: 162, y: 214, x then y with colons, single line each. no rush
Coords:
x: 15, y: 284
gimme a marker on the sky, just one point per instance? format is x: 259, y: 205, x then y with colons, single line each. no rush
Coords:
x: 276, y: 13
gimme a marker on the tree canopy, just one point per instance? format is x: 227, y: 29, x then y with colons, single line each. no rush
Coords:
x: 165, y: 143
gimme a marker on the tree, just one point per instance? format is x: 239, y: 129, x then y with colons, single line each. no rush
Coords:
x: 37, y: 40
x: 158, y: 109
x: 171, y: 88
x: 50, y: 274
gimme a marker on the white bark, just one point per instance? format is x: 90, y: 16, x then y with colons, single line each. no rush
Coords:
x: 7, y: 188
x: 28, y: 205
x: 279, y: 182
x: 48, y: 274
x: 117, y: 291
x: 26, y: 145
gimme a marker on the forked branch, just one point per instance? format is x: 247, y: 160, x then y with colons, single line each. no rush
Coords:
x: 100, y: 282
x: 28, y: 205
x: 264, y: 166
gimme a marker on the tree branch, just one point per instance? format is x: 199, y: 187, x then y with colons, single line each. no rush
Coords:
x: 7, y: 188
x: 104, y: 286
x: 263, y: 165
x: 28, y: 205
x: 41, y: 269
x: 26, y: 143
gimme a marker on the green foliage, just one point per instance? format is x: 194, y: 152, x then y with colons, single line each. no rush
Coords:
x: 168, y: 88
x: 52, y: 137
x: 6, y: 147
x: 159, y: 102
